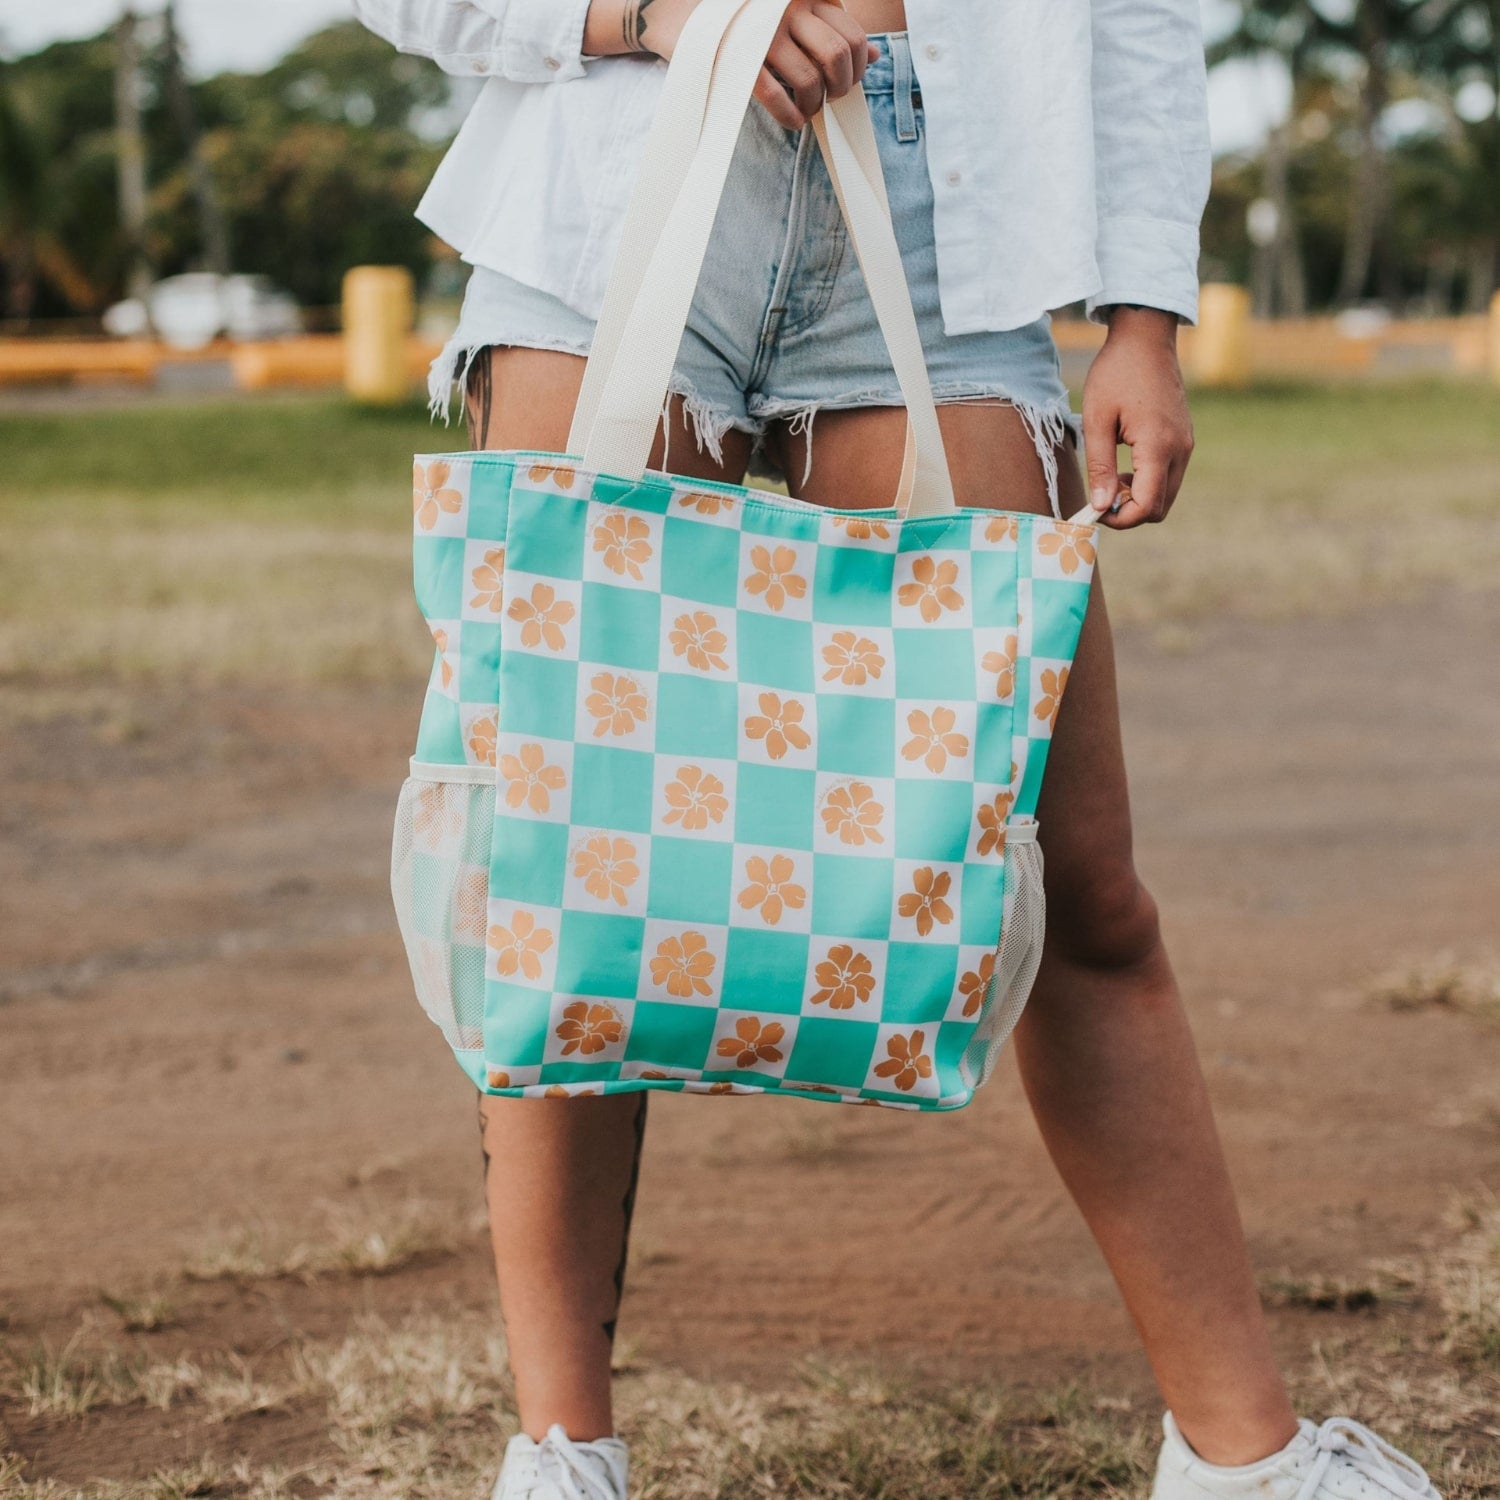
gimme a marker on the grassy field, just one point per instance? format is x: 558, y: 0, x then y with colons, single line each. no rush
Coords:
x: 267, y: 540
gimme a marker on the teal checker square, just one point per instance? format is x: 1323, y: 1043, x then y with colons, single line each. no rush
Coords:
x: 438, y: 576
x: 573, y: 1070
x: 851, y: 897
x: 935, y: 663
x: 545, y: 534
x: 611, y: 788
x: 933, y: 819
x: 697, y: 716
x: 690, y: 881
x: 919, y: 983
x: 953, y: 1038
x: 650, y: 496
x: 673, y: 1036
x: 539, y: 694
x: 763, y: 971
x: 774, y: 805
x: 1031, y: 781
x: 430, y: 892
x: 856, y: 735
x: 983, y: 905
x: 1057, y: 611
x: 489, y: 496
x: 994, y: 584
x: 599, y: 953
x: 700, y: 562
x: 515, y: 1025
x: 952, y: 533
x: 529, y: 861
x: 775, y: 653
x: 477, y: 657
x: 832, y: 1051
x: 853, y: 585
x: 440, y: 738
x: 992, y: 742
x: 619, y: 627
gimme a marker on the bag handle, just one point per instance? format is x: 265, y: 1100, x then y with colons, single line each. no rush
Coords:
x: 645, y: 329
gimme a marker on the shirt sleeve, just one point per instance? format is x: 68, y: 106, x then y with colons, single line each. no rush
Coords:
x: 526, y: 41
x: 1152, y: 159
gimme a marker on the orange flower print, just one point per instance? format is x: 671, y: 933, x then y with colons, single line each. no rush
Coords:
x: 445, y: 667
x: 496, y: 1078
x: 779, y: 724
x: 1003, y: 664
x: 488, y: 581
x: 695, y: 797
x: 432, y: 495
x: 753, y: 1042
x: 706, y: 504
x: 934, y: 739
x: 607, y: 868
x: 589, y: 1028
x: 532, y: 780
x: 975, y: 985
x: 857, y: 528
x: 697, y: 636
x: 845, y: 976
x: 482, y: 739
x: 773, y: 576
x: 560, y: 474
x: 1001, y: 529
x: 471, y: 897
x: 925, y: 901
x: 682, y: 966
x: 520, y: 946
x: 434, y: 813
x: 1054, y: 682
x: 542, y: 618
x: 625, y: 542
x: 992, y: 819
x: 931, y: 591
x: 907, y: 1061
x: 616, y: 705
x: 771, y: 887
x: 853, y: 660
x: 854, y: 813
x: 1069, y: 546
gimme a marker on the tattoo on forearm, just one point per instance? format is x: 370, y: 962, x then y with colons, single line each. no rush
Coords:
x: 634, y: 23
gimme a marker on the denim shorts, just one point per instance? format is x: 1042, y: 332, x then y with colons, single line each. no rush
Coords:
x: 781, y: 325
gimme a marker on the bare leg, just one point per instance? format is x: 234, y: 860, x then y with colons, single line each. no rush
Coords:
x: 1105, y: 1050
x: 560, y: 1174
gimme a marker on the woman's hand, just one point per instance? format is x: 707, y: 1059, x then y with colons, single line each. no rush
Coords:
x: 1134, y: 395
x: 819, y: 51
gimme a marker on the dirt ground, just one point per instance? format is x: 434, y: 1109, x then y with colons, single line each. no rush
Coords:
x: 207, y: 1031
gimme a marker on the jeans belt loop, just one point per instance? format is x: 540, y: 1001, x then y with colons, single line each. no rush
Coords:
x: 905, y: 89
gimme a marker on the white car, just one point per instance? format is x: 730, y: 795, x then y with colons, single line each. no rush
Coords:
x: 189, y: 311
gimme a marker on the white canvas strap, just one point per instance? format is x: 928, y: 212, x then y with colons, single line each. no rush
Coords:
x: 646, y: 311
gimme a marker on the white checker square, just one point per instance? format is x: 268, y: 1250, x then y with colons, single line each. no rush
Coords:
x: 440, y: 496
x: 535, y: 778
x: 622, y: 547
x: 857, y: 659
x: 987, y: 827
x: 608, y: 872
x: 484, y: 582
x: 521, y: 946
x: 637, y: 1068
x: 751, y: 1042
x: 587, y: 1029
x: 616, y: 706
x: 1000, y: 532
x: 935, y: 741
x: 976, y: 970
x: 507, y: 1077
x: 1019, y: 748
x: 933, y: 590
x: 480, y: 728
x: 470, y: 905
x: 549, y: 479
x: 445, y: 636
x: 856, y: 815
x: 682, y: 962
x: 698, y: 639
x: 772, y: 889
x: 541, y: 615
x: 693, y: 797
x: 706, y: 505
x: 776, y: 576
x: 1048, y: 681
x: 562, y: 1091
x: 845, y: 978
x: 903, y: 1062
x: 996, y: 650
x: 777, y: 728
x: 925, y: 906
x: 1023, y: 615
x: 868, y: 533
x: 1062, y: 551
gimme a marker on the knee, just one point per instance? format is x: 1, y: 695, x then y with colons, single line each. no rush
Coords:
x: 1104, y: 920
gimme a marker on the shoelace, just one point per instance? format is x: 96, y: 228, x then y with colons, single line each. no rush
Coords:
x: 1372, y: 1457
x: 562, y: 1465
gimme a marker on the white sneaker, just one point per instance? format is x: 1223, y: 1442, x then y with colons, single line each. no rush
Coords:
x: 1341, y: 1460
x: 557, y: 1468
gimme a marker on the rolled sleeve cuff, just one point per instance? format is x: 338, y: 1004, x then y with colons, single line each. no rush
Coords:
x: 1147, y: 263
x: 541, y: 41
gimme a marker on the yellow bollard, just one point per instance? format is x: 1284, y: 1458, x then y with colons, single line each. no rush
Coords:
x: 1221, y: 342
x: 379, y: 305
x: 1495, y: 338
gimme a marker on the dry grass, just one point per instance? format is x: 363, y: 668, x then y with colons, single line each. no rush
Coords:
x: 1442, y: 983
x: 141, y: 1312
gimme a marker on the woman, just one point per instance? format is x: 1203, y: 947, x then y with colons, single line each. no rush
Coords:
x: 1036, y: 154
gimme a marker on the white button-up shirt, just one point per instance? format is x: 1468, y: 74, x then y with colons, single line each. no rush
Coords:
x: 1067, y: 142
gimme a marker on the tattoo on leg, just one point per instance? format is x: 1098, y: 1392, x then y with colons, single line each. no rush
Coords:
x: 634, y: 23
x: 628, y: 1207
x: 484, y: 1149
x: 479, y: 396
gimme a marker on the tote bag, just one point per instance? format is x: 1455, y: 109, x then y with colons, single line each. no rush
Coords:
x: 716, y: 791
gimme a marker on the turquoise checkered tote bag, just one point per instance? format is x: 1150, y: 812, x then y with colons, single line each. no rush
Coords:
x: 716, y: 791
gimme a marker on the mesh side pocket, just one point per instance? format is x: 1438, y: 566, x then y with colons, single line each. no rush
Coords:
x: 440, y: 860
x: 1018, y: 957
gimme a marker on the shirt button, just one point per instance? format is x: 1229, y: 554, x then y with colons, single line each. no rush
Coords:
x: 934, y: 51
x: 955, y: 177
x: 478, y: 65
x: 552, y: 63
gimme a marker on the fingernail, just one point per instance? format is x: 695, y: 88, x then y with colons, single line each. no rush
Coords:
x: 1100, y: 499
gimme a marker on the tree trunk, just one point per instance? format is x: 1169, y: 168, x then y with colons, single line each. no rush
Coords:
x: 130, y: 156
x: 211, y: 227
x: 1369, y: 209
